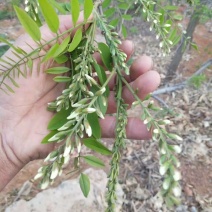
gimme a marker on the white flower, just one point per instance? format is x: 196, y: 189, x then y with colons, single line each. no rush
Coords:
x: 88, y: 129
x: 163, y: 170
x: 38, y: 175
x: 166, y: 121
x: 45, y: 184
x: 60, y: 172
x: 55, y: 171
x: 166, y: 184
x: 73, y: 115
x: 47, y: 158
x: 178, y: 138
x: 100, y: 92
x: 161, y: 44
x: 27, y: 9
x: 178, y: 164
x: 162, y: 151
x: 177, y: 175
x: 53, y: 138
x: 167, y: 25
x: 90, y: 110
x: 177, y: 149
x: 99, y: 113
x: 176, y: 191
x: 66, y: 159
x: 170, y: 42
x: 67, y: 151
x: 156, y: 131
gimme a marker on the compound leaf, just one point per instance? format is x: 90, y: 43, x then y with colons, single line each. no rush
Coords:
x: 50, y: 15
x: 28, y: 23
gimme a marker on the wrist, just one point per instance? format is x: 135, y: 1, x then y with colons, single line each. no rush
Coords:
x: 8, y: 168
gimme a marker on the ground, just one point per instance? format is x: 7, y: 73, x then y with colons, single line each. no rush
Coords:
x: 191, y: 119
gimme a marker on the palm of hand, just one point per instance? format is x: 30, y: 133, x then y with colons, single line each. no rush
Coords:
x: 25, y: 116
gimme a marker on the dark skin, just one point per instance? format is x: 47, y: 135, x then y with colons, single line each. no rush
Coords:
x: 23, y: 115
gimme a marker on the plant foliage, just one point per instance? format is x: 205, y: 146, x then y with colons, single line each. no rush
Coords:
x: 84, y: 100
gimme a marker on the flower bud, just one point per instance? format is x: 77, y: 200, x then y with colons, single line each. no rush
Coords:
x: 88, y: 129
x: 45, y: 184
x: 55, y: 171
x: 176, y: 191
x: 67, y: 151
x: 89, y: 110
x: 177, y: 175
x: 38, y: 175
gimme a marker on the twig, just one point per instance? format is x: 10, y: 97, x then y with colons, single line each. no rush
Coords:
x: 182, y: 84
x: 161, y: 101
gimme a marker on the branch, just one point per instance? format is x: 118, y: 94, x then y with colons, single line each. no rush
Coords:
x: 182, y: 85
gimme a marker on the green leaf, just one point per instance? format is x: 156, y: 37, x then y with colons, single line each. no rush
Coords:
x: 177, y: 17
x: 13, y: 82
x: 62, y: 47
x: 105, y: 55
x: 28, y: 23
x: 50, y: 53
x: 75, y: 10
x: 114, y: 22
x: 76, y: 40
x: 50, y: 15
x: 124, y: 31
x: 170, y: 7
x: 94, y: 161
x: 127, y: 17
x: 47, y: 137
x: 106, y: 3
x: 9, y: 88
x: 102, y: 76
x: 59, y: 119
x: 123, y: 6
x: 109, y: 12
x: 94, y: 123
x: 102, y: 107
x: 61, y: 59
x: 97, y: 146
x: 88, y: 8
x: 58, y: 6
x: 62, y: 79
x: 57, y: 70
x: 84, y: 184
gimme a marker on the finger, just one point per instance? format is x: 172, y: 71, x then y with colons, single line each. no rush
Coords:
x: 135, y: 128
x: 140, y: 66
x: 143, y: 85
x: 127, y: 47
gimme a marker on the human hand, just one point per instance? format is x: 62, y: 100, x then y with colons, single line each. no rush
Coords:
x: 23, y: 115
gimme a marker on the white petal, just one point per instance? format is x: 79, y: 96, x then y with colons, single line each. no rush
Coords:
x: 177, y: 175
x: 38, y: 175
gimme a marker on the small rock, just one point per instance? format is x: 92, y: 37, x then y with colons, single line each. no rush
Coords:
x: 68, y: 197
x: 209, y: 144
x: 141, y: 194
x: 194, y: 209
x: 182, y: 208
x: 188, y: 191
